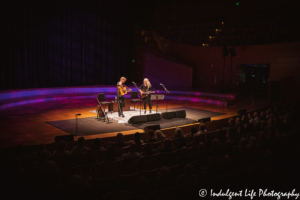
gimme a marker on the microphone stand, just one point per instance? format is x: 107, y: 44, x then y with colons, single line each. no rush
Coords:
x: 77, y: 124
x: 167, y: 92
x: 140, y: 99
x: 156, y: 102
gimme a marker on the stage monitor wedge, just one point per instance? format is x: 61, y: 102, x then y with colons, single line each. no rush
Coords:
x: 207, y: 119
x: 168, y: 115
x: 138, y: 119
x: 180, y: 114
x: 152, y: 127
x: 153, y: 117
x: 67, y: 138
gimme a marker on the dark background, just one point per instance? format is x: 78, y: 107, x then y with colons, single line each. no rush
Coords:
x: 67, y: 42
x: 253, y: 79
x: 56, y: 43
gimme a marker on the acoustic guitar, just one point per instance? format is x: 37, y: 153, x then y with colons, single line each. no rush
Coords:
x: 100, y: 111
x: 144, y: 94
x: 123, y: 89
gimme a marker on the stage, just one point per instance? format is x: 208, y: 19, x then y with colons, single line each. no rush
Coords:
x: 24, y: 121
x: 94, y: 126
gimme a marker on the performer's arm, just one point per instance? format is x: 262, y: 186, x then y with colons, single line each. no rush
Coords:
x: 119, y: 85
x: 118, y: 92
x: 141, y: 88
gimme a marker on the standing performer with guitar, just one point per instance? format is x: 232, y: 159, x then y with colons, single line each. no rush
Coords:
x: 145, y: 92
x: 122, y: 90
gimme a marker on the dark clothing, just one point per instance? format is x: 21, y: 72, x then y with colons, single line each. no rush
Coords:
x: 145, y: 88
x: 179, y: 142
x: 148, y: 98
x: 121, y: 101
x: 186, y: 178
x: 151, y: 140
x: 120, y: 144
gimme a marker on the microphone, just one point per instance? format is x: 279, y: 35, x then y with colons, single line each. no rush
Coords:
x: 78, y: 114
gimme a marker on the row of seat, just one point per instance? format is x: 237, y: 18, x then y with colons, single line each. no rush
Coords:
x: 152, y: 162
x: 110, y: 168
x: 130, y: 182
x: 138, y: 190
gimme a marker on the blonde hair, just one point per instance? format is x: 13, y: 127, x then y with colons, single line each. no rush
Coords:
x: 148, y: 82
x: 159, y: 135
x: 178, y: 132
x: 120, y: 82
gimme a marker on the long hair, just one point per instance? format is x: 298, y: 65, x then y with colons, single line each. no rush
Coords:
x: 148, y: 82
x: 159, y: 135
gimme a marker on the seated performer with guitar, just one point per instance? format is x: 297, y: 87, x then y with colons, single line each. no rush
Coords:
x: 145, y: 93
x: 122, y: 90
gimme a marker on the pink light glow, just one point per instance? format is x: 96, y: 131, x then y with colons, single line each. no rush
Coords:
x: 40, y: 95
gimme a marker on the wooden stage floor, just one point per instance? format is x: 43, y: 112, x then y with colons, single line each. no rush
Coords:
x: 26, y: 124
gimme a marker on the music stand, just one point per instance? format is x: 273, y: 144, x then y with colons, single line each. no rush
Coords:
x: 157, y: 97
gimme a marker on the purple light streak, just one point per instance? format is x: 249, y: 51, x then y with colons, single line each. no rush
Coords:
x: 110, y: 91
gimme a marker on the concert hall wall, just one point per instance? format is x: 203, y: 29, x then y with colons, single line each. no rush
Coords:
x: 64, y: 43
x: 159, y: 68
x: 207, y: 63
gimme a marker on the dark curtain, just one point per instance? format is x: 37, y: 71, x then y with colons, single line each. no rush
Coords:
x: 65, y: 43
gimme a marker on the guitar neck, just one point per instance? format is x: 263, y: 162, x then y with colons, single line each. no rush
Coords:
x: 149, y: 92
